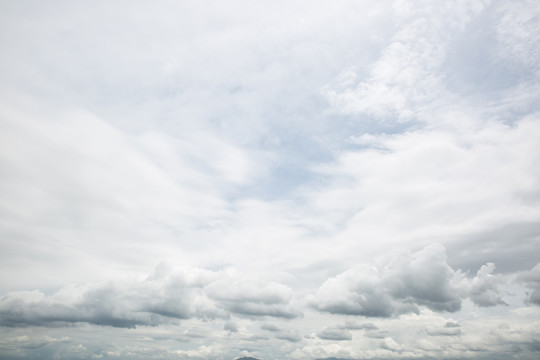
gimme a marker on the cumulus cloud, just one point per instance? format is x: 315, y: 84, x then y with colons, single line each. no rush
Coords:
x: 484, y: 289
x: 250, y: 298
x: 331, y: 333
x: 165, y: 296
x: 289, y: 335
x: 531, y: 279
x: 155, y: 300
x: 405, y: 283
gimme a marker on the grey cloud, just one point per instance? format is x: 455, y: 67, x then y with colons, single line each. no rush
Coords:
x: 484, y: 288
x: 168, y: 296
x: 165, y: 296
x: 253, y: 299
x: 15, y: 311
x: 255, y: 309
x: 150, y: 302
x: 518, y: 239
x: 444, y: 331
x: 291, y: 336
x: 351, y: 325
x: 335, y: 334
x: 270, y: 327
x: 451, y: 324
x: 424, y: 278
x: 531, y: 279
x: 408, y: 281
x: 230, y: 326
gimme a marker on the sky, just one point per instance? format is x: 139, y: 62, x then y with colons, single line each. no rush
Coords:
x: 293, y: 179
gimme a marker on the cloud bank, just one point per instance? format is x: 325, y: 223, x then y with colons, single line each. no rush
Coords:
x: 407, y: 283
x: 165, y: 296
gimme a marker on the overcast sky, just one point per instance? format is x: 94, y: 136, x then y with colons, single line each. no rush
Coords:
x: 277, y: 179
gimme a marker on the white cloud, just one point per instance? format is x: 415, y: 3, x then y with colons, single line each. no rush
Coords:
x: 134, y: 134
x: 406, y: 79
x: 433, y: 185
x: 518, y: 34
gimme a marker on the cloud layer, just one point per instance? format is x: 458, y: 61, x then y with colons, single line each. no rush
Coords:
x: 407, y: 283
x: 350, y: 180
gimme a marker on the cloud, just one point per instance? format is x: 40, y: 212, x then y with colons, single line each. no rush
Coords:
x: 230, y: 326
x: 484, y: 289
x: 390, y: 344
x: 330, y: 333
x: 166, y: 296
x: 203, y: 352
x: 199, y: 135
x: 289, y: 335
x: 452, y: 185
x: 351, y: 325
x: 270, y: 327
x: 449, y: 329
x: 405, y: 283
x: 406, y: 79
x: 26, y: 342
x: 517, y: 34
x: 531, y: 279
x: 428, y: 336
x: 381, y: 334
x: 450, y: 324
x: 250, y: 298
x: 93, y: 182
x: 151, y: 302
